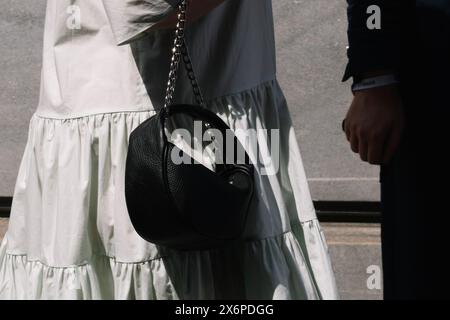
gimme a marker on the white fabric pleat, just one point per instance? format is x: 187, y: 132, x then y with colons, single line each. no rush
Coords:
x: 70, y: 236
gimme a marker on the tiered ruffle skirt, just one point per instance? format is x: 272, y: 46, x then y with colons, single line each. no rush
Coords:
x: 70, y: 237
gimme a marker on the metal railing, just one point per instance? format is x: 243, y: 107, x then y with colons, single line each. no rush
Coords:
x: 348, y: 211
x: 327, y: 211
x: 5, y: 206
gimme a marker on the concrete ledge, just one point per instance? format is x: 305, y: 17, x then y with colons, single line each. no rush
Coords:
x: 353, y: 189
x: 354, y: 248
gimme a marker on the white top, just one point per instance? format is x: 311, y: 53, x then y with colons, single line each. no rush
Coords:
x: 98, y: 77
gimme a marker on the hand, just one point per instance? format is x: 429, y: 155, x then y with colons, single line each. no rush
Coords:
x: 374, y: 123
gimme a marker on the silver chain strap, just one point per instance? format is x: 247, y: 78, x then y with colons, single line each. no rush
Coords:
x: 179, y: 51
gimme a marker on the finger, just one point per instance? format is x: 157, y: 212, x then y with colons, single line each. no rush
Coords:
x: 392, y: 145
x: 363, y: 148
x: 354, y: 142
x: 347, y: 131
x: 375, y: 152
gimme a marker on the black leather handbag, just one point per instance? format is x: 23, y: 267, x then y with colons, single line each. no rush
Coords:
x: 185, y: 206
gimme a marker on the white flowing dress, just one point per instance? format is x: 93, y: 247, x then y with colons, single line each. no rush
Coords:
x: 69, y: 234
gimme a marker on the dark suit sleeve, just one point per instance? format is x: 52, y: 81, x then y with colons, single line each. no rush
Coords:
x: 379, y: 49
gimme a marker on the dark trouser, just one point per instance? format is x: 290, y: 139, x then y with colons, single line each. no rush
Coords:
x: 415, y: 186
x: 415, y: 218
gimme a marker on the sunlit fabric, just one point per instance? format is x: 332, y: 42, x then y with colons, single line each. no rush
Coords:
x: 70, y: 236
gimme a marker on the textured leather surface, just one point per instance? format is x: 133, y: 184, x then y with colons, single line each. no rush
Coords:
x: 184, y: 206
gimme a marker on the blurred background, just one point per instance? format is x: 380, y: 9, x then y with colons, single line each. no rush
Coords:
x: 311, y: 53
